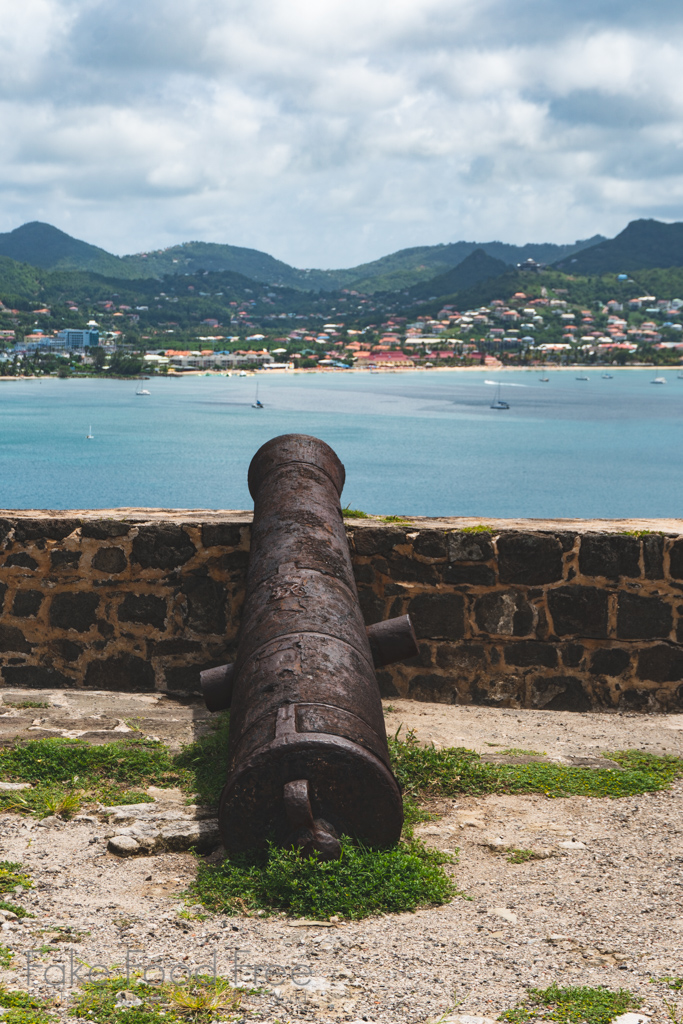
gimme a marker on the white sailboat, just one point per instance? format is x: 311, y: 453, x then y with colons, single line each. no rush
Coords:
x: 90, y: 436
x: 498, y: 403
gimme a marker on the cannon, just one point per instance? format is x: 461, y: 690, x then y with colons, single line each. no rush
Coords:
x: 308, y: 759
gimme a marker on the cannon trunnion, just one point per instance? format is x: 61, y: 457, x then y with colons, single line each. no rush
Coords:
x: 308, y: 756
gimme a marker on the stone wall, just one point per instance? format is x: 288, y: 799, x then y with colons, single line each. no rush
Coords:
x: 564, y: 614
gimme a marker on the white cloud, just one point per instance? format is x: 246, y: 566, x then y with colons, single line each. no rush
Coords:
x: 332, y: 131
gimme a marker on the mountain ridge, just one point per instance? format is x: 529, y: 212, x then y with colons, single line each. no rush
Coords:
x: 42, y: 245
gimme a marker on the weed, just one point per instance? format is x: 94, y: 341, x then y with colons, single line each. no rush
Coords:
x: 522, y: 856
x: 675, y: 984
x: 481, y: 528
x: 27, y: 703
x: 6, y: 955
x: 455, y: 770
x: 641, y: 533
x: 362, y: 882
x: 519, y: 752
x: 201, y: 1001
x: 12, y: 875
x: 672, y: 1011
x: 22, y: 1008
x: 14, y: 908
x: 571, y: 1005
x: 354, y: 513
x: 393, y: 519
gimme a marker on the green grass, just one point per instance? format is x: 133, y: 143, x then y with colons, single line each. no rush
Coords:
x: 26, y: 703
x: 572, y: 1005
x: 23, y: 1008
x: 12, y: 875
x: 67, y: 773
x: 481, y: 528
x: 361, y: 883
x: 6, y: 955
x: 199, y: 1001
x: 675, y: 984
x: 428, y: 771
x: 516, y: 855
x: 519, y: 752
x: 354, y: 513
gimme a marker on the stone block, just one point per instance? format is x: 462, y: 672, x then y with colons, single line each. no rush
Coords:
x: 572, y: 655
x: 5, y: 529
x: 222, y: 535
x: 235, y: 563
x: 643, y: 618
x: 609, y: 661
x: 21, y: 559
x: 530, y: 652
x: 205, y: 604
x: 175, y: 645
x: 13, y: 641
x: 105, y: 529
x: 431, y: 686
x: 3, y: 591
x: 35, y: 677
x: 183, y: 677
x: 504, y: 613
x: 146, y: 609
x: 409, y: 570
x: 579, y: 610
x: 560, y: 693
x: 44, y: 529
x: 462, y: 658
x: 122, y: 672
x: 438, y: 615
x: 110, y: 560
x: 662, y: 663
x: 469, y: 547
x: 372, y: 606
x: 387, y: 687
x: 376, y: 541
x: 60, y: 558
x: 676, y: 560
x: 431, y: 544
x: 609, y: 555
x: 529, y: 558
x: 165, y: 546
x: 653, y: 556
x: 468, y: 575
x: 66, y: 649
x: 74, y: 611
x: 27, y: 603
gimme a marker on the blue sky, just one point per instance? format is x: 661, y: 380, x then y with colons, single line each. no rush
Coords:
x: 329, y: 132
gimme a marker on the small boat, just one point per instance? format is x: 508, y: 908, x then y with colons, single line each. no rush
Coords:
x: 499, y: 403
x: 583, y: 378
x: 258, y: 404
x: 658, y: 380
x: 242, y: 373
x: 90, y: 436
x: 544, y: 380
x: 143, y: 391
x: 607, y: 376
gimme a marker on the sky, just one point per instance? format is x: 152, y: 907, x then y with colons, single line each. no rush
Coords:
x: 331, y: 132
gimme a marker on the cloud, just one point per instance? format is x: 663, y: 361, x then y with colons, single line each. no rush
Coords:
x: 329, y: 132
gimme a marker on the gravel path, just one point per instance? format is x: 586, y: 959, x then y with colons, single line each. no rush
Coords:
x: 603, y: 907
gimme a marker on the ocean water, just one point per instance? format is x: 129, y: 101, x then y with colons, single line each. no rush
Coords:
x: 423, y: 443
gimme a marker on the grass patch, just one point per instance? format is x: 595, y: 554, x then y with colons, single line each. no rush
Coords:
x: 426, y: 771
x: 394, y: 519
x: 571, y: 1005
x: 481, y: 528
x: 23, y: 1008
x: 517, y: 856
x: 26, y: 703
x: 519, y: 752
x: 675, y: 984
x: 362, y: 882
x: 354, y: 513
x: 201, y: 1001
x: 6, y: 955
x: 65, y: 774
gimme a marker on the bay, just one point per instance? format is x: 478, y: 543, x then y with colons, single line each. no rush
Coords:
x: 413, y: 443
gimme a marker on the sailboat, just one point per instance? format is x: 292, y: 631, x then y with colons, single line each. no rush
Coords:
x: 90, y: 436
x: 658, y: 380
x: 258, y: 404
x: 544, y: 380
x: 499, y: 403
x: 607, y: 376
x: 583, y: 377
x: 143, y: 391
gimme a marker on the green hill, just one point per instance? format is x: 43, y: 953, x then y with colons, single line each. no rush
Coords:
x: 474, y: 269
x: 47, y: 247
x: 642, y: 244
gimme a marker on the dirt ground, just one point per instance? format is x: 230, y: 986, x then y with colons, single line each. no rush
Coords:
x: 604, y: 907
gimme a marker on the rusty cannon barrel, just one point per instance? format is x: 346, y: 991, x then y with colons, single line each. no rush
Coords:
x: 308, y: 756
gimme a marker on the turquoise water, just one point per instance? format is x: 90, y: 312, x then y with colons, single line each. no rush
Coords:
x: 423, y: 443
